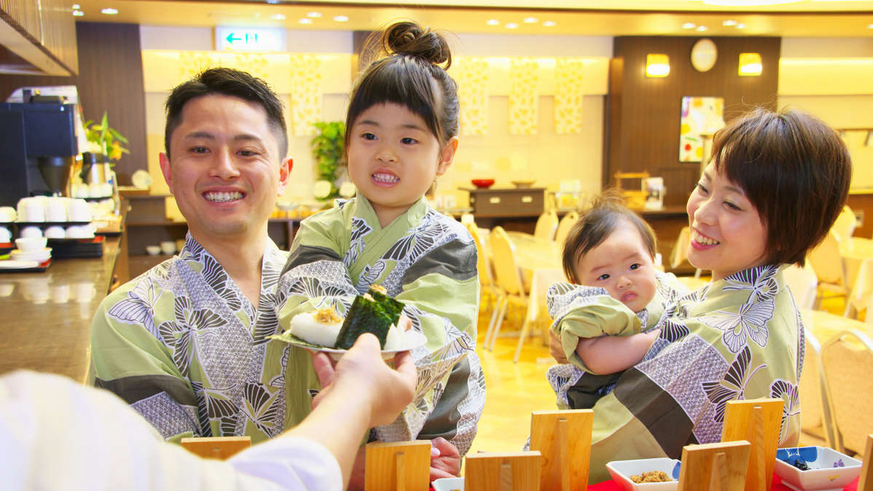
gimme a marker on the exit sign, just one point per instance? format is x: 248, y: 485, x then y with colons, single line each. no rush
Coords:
x: 243, y: 39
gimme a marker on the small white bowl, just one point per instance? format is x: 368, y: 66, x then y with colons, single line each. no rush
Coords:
x: 153, y: 250
x: 30, y: 244
x: 829, y: 470
x: 621, y: 470
x: 448, y: 484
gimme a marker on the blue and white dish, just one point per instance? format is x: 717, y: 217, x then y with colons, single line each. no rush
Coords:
x: 827, y: 469
x: 621, y: 470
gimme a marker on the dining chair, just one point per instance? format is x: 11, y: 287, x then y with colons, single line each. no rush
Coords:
x: 489, y: 291
x: 547, y: 225
x: 565, y: 225
x: 510, y: 285
x: 803, y: 283
x: 830, y: 269
x: 844, y: 226
x: 815, y: 416
x: 847, y: 362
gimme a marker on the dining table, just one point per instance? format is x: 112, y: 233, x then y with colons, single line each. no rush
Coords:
x: 777, y: 485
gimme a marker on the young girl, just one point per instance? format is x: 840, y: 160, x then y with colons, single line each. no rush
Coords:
x: 402, y: 127
x: 610, y: 251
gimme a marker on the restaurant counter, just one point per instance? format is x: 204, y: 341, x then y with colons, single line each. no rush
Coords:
x: 46, y: 323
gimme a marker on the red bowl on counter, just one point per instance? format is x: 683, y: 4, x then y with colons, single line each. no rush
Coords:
x: 483, y: 183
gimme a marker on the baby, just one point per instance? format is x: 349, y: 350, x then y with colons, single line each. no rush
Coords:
x: 610, y: 252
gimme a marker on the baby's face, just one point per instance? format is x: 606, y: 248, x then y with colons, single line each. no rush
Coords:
x: 622, y: 265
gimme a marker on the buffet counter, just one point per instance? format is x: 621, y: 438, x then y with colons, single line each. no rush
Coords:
x: 47, y: 315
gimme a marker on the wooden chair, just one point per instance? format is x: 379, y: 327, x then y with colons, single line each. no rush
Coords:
x: 563, y: 438
x: 518, y: 471
x: 510, y: 285
x: 803, y: 283
x: 487, y: 287
x: 757, y: 421
x: 565, y: 225
x: 547, y: 225
x: 830, y: 269
x: 847, y: 362
x: 815, y: 416
x: 844, y: 225
x: 714, y: 466
x: 216, y: 447
x: 397, y: 466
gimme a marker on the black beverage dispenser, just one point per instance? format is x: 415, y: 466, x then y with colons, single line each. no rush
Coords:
x: 37, y: 148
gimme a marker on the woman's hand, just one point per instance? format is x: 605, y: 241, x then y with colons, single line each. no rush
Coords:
x: 556, y: 349
x: 445, y: 460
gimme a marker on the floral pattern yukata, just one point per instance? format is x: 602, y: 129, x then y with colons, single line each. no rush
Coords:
x: 425, y: 260
x: 736, y: 338
x: 185, y: 348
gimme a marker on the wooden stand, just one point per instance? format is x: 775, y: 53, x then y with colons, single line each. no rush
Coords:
x: 757, y: 421
x: 714, y: 466
x: 866, y: 481
x: 518, y: 471
x: 218, y: 447
x: 564, y: 440
x: 397, y: 466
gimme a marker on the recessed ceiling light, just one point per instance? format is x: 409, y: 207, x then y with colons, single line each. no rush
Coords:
x: 512, y: 25
x: 531, y: 20
x: 869, y: 26
x: 314, y: 15
x: 729, y: 23
x: 493, y: 22
x: 741, y: 26
x: 76, y: 6
x: 550, y: 23
x: 341, y: 18
x: 278, y: 16
x: 702, y: 28
x: 109, y: 11
x: 78, y: 13
x: 305, y: 20
x: 689, y: 25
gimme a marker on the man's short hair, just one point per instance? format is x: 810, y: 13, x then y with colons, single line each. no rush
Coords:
x: 233, y: 83
x: 795, y: 170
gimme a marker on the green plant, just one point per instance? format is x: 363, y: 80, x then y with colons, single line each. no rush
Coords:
x: 104, y: 139
x: 328, y: 150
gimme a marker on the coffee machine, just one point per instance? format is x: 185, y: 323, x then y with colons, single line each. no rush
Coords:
x: 37, y: 148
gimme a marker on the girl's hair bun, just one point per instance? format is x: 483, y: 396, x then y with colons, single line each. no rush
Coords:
x: 410, y: 39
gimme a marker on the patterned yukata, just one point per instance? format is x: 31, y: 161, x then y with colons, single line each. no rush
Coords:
x: 425, y: 260
x: 185, y: 348
x: 736, y: 338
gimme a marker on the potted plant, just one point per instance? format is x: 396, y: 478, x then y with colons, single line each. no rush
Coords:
x: 104, y: 140
x: 328, y: 150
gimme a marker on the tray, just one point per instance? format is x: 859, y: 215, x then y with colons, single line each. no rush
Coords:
x: 6, y: 267
x: 50, y: 224
x: 77, y: 248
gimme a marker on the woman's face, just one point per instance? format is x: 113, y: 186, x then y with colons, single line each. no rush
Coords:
x: 727, y: 234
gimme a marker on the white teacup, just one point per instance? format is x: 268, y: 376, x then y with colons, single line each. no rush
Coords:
x: 30, y: 231
x: 7, y: 214
x: 30, y: 244
x: 168, y: 247
x: 79, y: 211
x: 56, y: 210
x: 5, y: 235
x: 31, y: 210
x: 79, y: 232
x: 55, y: 232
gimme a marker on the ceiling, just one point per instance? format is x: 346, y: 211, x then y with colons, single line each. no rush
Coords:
x: 806, y: 18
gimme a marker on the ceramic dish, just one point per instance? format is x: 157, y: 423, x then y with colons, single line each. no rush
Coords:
x: 483, y: 183
x: 411, y: 339
x: 828, y: 470
x: 38, y: 256
x: 621, y: 470
x: 523, y: 184
x: 448, y: 484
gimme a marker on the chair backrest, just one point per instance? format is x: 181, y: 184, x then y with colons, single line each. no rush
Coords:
x: 506, y: 274
x: 547, y: 224
x: 486, y: 278
x: 802, y: 283
x: 565, y: 225
x: 815, y: 408
x: 826, y: 261
x: 679, y: 253
x: 847, y: 362
x: 845, y: 223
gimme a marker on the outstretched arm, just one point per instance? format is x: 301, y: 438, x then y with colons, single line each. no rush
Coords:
x: 611, y: 354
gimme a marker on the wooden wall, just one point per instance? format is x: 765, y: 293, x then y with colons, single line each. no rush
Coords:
x: 110, y: 79
x: 642, y: 114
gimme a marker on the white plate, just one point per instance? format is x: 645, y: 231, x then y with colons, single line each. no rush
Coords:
x: 16, y: 264
x: 31, y: 256
x: 621, y: 470
x: 411, y: 339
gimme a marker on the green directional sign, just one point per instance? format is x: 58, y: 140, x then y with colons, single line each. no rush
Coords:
x: 246, y: 39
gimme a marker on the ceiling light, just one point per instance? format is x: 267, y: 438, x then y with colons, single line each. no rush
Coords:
x: 273, y: 2
x: 741, y: 26
x: 702, y: 28
x: 109, y: 11
x: 314, y: 15
x: 305, y: 21
x: 76, y: 6
x: 78, y: 13
x: 657, y: 65
x: 278, y: 16
x: 551, y: 23
x: 512, y: 25
x: 689, y: 25
x: 750, y: 65
x: 869, y: 26
x: 341, y: 18
x: 531, y: 20
x: 493, y: 22
x: 729, y: 23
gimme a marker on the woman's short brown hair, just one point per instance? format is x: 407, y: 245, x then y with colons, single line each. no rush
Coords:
x: 795, y: 170
x: 607, y: 212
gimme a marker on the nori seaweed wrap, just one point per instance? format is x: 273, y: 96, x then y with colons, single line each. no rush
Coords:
x: 375, y: 315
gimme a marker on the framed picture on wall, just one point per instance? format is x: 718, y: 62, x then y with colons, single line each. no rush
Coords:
x: 701, y: 116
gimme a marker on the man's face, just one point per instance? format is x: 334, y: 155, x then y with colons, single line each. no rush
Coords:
x: 225, y: 171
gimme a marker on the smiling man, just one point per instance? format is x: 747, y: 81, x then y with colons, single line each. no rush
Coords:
x: 186, y: 344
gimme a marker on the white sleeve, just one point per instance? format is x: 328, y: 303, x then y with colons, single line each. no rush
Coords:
x: 57, y: 434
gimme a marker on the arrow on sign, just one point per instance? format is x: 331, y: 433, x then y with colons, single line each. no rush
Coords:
x: 231, y: 38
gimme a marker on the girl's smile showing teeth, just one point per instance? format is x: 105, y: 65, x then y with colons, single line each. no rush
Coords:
x: 222, y: 197
x: 699, y: 239
x: 385, y: 178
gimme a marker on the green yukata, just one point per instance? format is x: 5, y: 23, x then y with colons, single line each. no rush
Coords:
x: 734, y: 339
x: 186, y: 349
x: 425, y: 260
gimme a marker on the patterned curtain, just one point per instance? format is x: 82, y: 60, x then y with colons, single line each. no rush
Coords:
x: 523, y: 96
x: 472, y: 77
x: 568, y: 96
x: 306, y: 94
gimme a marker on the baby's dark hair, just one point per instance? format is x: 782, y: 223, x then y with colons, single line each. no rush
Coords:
x: 410, y: 76
x: 596, y: 225
x: 788, y: 163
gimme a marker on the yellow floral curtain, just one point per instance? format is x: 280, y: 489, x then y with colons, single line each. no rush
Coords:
x: 523, y: 96
x: 568, y: 96
x: 471, y: 74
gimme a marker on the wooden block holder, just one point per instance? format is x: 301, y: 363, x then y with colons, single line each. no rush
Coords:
x: 635, y: 199
x: 757, y: 421
x: 397, y: 466
x: 216, y: 447
x: 865, y: 483
x: 564, y: 440
x: 714, y: 466
x: 517, y: 471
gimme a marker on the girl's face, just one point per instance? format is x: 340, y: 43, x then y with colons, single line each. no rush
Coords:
x: 727, y: 234
x: 394, y: 158
x: 622, y: 265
